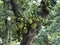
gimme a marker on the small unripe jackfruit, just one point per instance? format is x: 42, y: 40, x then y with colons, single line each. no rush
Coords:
x: 33, y: 26
x: 21, y: 25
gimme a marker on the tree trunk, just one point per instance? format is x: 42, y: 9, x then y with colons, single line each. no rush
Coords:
x: 28, y: 39
x: 10, y: 37
x: 7, y: 31
x: 7, y: 37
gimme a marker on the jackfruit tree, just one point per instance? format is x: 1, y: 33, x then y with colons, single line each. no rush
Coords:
x: 29, y: 26
x: 30, y: 15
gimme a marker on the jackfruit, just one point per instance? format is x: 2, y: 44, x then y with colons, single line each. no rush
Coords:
x: 25, y: 30
x: 33, y: 26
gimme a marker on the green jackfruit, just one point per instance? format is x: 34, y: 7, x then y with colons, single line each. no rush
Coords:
x: 33, y: 26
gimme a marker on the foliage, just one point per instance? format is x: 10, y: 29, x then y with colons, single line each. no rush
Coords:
x: 52, y: 30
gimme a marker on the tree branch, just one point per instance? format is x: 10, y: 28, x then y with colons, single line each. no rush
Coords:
x: 15, y: 7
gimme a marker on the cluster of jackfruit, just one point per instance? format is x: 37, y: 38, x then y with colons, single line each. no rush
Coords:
x: 25, y: 25
x: 33, y: 21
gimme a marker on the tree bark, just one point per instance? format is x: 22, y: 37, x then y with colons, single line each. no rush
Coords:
x: 7, y: 31
x: 28, y: 39
x: 10, y: 36
x: 7, y: 38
